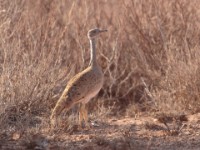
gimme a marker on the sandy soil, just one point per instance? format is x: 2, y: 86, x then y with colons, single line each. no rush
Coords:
x: 115, y: 134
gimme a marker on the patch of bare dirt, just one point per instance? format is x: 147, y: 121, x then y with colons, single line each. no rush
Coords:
x: 114, y: 134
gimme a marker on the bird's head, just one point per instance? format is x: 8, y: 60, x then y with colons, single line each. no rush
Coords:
x: 95, y: 32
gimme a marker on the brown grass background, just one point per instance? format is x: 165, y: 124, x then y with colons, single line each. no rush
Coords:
x: 150, y: 56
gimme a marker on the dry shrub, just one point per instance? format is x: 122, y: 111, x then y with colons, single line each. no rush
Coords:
x: 149, y: 56
x: 164, y: 42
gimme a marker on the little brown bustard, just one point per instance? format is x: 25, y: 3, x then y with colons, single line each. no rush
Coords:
x: 83, y: 86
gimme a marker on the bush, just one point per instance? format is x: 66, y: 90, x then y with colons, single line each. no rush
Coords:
x: 150, y: 55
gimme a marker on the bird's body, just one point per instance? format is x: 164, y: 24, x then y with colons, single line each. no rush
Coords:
x: 82, y: 87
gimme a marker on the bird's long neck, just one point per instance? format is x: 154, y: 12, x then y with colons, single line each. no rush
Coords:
x: 93, y: 60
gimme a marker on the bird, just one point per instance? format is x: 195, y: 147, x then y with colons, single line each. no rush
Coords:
x: 83, y: 86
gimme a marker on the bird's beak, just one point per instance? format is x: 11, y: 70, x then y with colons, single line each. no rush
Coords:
x: 103, y: 30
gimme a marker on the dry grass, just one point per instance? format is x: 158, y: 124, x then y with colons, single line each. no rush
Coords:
x: 150, y: 57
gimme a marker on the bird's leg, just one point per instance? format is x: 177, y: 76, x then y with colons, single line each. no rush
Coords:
x: 85, y: 116
x: 53, y: 124
x: 80, y: 115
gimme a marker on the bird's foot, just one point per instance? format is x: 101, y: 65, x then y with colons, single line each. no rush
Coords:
x: 88, y: 127
x: 80, y: 127
x: 85, y: 127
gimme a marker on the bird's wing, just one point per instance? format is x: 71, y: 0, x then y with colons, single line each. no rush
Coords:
x: 78, y: 87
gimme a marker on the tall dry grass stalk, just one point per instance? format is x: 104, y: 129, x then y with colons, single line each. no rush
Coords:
x: 150, y: 55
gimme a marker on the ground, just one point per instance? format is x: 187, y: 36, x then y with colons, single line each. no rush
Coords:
x: 142, y: 132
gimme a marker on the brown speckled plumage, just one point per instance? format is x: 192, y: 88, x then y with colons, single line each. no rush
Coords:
x: 83, y: 86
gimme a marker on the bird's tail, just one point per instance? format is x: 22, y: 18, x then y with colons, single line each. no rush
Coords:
x: 60, y: 106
